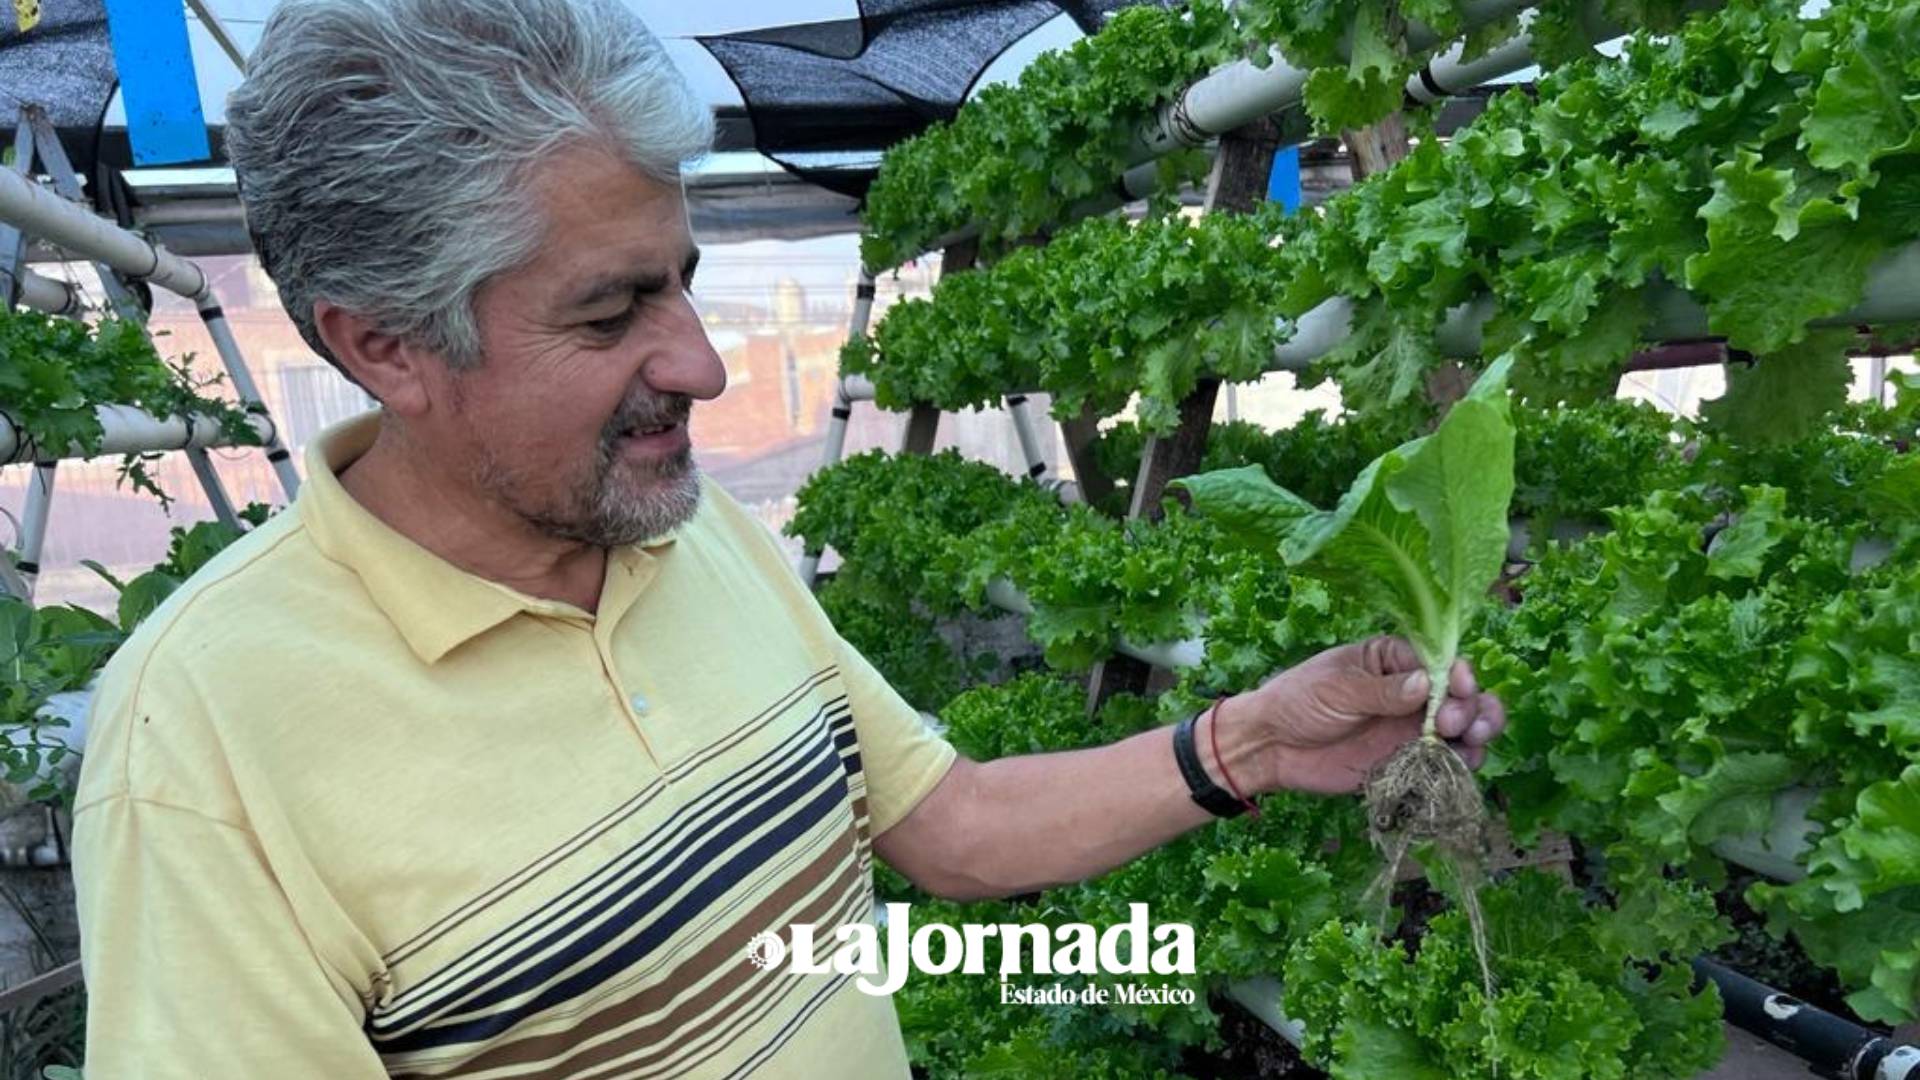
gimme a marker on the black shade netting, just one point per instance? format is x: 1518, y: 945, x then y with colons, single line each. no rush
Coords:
x: 64, y: 64
x: 861, y: 85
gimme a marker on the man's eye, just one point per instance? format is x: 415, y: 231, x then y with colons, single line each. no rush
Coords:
x: 613, y: 326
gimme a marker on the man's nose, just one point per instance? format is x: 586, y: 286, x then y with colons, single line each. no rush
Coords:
x: 685, y: 362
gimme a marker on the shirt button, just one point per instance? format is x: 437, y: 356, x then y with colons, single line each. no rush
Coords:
x: 639, y: 704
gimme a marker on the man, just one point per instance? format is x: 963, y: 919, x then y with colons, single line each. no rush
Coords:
x: 491, y: 755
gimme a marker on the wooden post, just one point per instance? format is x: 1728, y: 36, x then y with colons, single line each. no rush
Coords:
x: 1375, y: 149
x: 1238, y: 184
x: 1168, y: 458
x: 923, y: 423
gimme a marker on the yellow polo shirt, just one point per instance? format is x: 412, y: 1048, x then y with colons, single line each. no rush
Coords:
x: 349, y: 812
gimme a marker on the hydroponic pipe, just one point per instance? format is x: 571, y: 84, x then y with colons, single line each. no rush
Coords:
x: 39, y: 212
x: 42, y: 293
x: 1239, y: 93
x: 215, y: 321
x: 1446, y: 75
x: 1776, y: 853
x: 1260, y: 995
x: 1834, y: 1047
x: 1029, y: 443
x: 863, y: 297
x: 1004, y: 595
x: 127, y: 430
x: 33, y: 525
x: 1892, y: 296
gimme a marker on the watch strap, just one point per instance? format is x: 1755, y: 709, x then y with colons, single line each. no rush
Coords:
x: 1210, y: 796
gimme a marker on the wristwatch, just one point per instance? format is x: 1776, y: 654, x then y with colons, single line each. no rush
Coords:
x: 1212, y: 797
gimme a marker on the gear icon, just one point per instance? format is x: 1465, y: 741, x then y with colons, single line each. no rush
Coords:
x: 766, y: 950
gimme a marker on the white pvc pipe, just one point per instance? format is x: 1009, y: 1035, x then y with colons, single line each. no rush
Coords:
x: 1172, y: 655
x: 218, y: 31
x: 39, y: 212
x: 1260, y: 995
x: 1893, y: 291
x: 45, y: 294
x: 1777, y: 852
x: 863, y: 296
x: 1315, y: 334
x: 1892, y: 296
x: 836, y: 447
x: 1903, y: 1063
x: 1445, y: 75
x: 1240, y: 93
x: 857, y: 388
x: 1003, y: 594
x: 33, y: 526
x: 127, y: 430
x: 1022, y: 414
x: 215, y: 321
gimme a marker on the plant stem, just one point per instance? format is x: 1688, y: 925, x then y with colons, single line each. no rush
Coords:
x: 1436, y: 695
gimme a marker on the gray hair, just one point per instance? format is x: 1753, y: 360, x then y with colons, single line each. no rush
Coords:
x: 383, y: 146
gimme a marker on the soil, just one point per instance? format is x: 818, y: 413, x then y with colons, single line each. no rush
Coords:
x: 1782, y: 965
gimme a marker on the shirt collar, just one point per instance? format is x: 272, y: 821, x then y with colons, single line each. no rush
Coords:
x: 434, y: 604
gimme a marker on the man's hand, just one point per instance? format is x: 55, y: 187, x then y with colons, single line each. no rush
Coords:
x: 1322, y: 725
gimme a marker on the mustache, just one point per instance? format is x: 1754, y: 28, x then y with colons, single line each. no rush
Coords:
x: 651, y: 410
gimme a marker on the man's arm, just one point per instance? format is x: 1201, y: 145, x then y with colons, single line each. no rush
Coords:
x: 1024, y: 823
x: 196, y: 968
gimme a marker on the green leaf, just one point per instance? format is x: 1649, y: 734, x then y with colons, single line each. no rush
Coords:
x: 142, y: 595
x: 1898, y: 489
x: 1770, y: 266
x: 1895, y: 682
x: 1785, y: 395
x: 1886, y: 834
x: 17, y: 629
x: 1246, y: 503
x: 1367, y: 1048
x: 1861, y: 111
x: 1740, y: 550
x: 1732, y: 798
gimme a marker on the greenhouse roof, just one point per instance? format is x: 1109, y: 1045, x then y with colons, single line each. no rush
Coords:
x: 820, y: 86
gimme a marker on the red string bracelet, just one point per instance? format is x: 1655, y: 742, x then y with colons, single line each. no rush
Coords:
x: 1213, y: 737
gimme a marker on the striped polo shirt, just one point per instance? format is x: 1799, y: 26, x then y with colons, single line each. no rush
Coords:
x: 348, y: 811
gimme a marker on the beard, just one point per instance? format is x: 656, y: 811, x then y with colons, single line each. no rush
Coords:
x: 615, y: 501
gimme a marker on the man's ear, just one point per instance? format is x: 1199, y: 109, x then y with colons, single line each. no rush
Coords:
x: 390, y: 369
